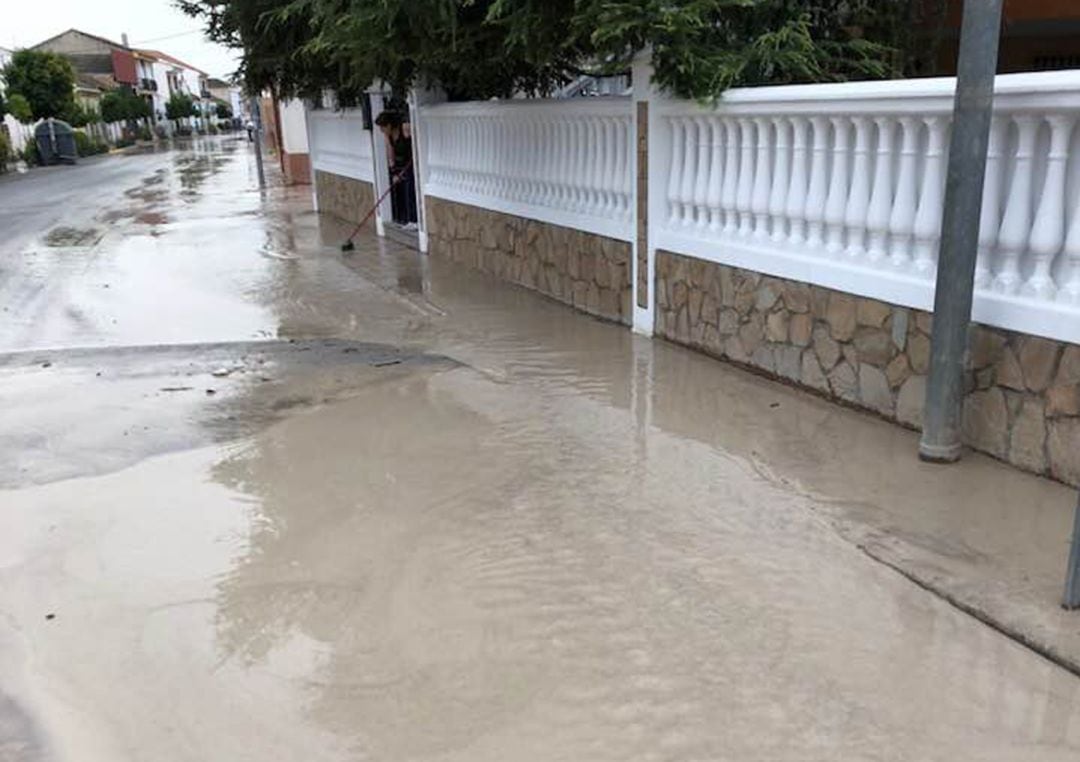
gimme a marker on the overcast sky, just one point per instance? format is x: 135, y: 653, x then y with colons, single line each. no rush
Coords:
x: 145, y: 21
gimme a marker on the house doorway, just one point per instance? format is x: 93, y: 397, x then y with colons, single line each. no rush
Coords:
x: 395, y: 126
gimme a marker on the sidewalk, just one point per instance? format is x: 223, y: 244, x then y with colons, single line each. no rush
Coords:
x: 989, y: 538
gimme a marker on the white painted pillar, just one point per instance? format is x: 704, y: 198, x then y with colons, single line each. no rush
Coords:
x: 380, y: 164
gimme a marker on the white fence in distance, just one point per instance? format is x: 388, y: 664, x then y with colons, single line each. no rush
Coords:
x: 842, y: 185
x: 340, y: 144
x: 566, y: 162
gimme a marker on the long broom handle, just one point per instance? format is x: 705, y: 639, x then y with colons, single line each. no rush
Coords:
x: 397, y: 179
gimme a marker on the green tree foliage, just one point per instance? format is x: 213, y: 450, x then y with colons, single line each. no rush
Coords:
x: 222, y: 111
x: 19, y: 108
x: 81, y: 115
x: 180, y: 106
x: 3, y: 105
x: 122, y: 105
x: 484, y: 48
x: 46, y: 80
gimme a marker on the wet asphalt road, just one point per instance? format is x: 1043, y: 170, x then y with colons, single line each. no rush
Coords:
x: 264, y: 502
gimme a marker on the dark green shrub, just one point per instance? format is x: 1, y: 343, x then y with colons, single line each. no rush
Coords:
x: 30, y: 154
x: 82, y: 143
x: 88, y: 146
x: 124, y: 142
x: 5, y: 151
x: 143, y: 133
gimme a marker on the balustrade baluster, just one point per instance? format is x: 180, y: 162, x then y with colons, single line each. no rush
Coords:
x: 795, y: 204
x: 594, y: 157
x: 469, y: 127
x: 1069, y: 293
x: 881, y: 198
x: 1048, y: 232
x: 517, y: 158
x: 502, y: 154
x: 549, y: 148
x: 728, y: 193
x: 816, y: 193
x: 836, y: 201
x: 858, y: 205
x: 781, y: 177
x: 610, y: 147
x: 716, y: 175
x: 599, y: 194
x: 526, y: 159
x: 744, y: 197
x: 577, y: 156
x: 618, y: 182
x: 686, y: 192
x: 990, y: 211
x: 701, y: 178
x: 1016, y: 222
x: 927, y: 225
x: 483, y: 154
x: 759, y: 202
x: 675, y: 168
x: 902, y: 219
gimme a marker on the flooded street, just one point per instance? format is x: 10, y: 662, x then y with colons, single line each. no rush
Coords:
x: 263, y: 501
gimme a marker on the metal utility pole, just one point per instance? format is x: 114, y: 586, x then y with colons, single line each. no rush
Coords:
x: 1072, y: 574
x: 972, y: 111
x: 256, y: 118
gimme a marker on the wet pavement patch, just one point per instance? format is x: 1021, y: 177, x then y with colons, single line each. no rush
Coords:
x: 174, y: 397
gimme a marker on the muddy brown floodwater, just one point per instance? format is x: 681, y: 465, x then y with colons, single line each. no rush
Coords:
x: 265, y: 502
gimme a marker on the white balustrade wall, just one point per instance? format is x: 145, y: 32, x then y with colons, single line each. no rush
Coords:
x: 564, y: 162
x: 340, y: 144
x: 842, y: 185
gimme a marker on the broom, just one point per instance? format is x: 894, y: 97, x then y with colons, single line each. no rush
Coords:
x: 349, y: 245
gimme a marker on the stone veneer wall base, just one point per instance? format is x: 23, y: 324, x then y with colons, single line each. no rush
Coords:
x: 1023, y: 392
x: 343, y: 197
x: 586, y: 271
